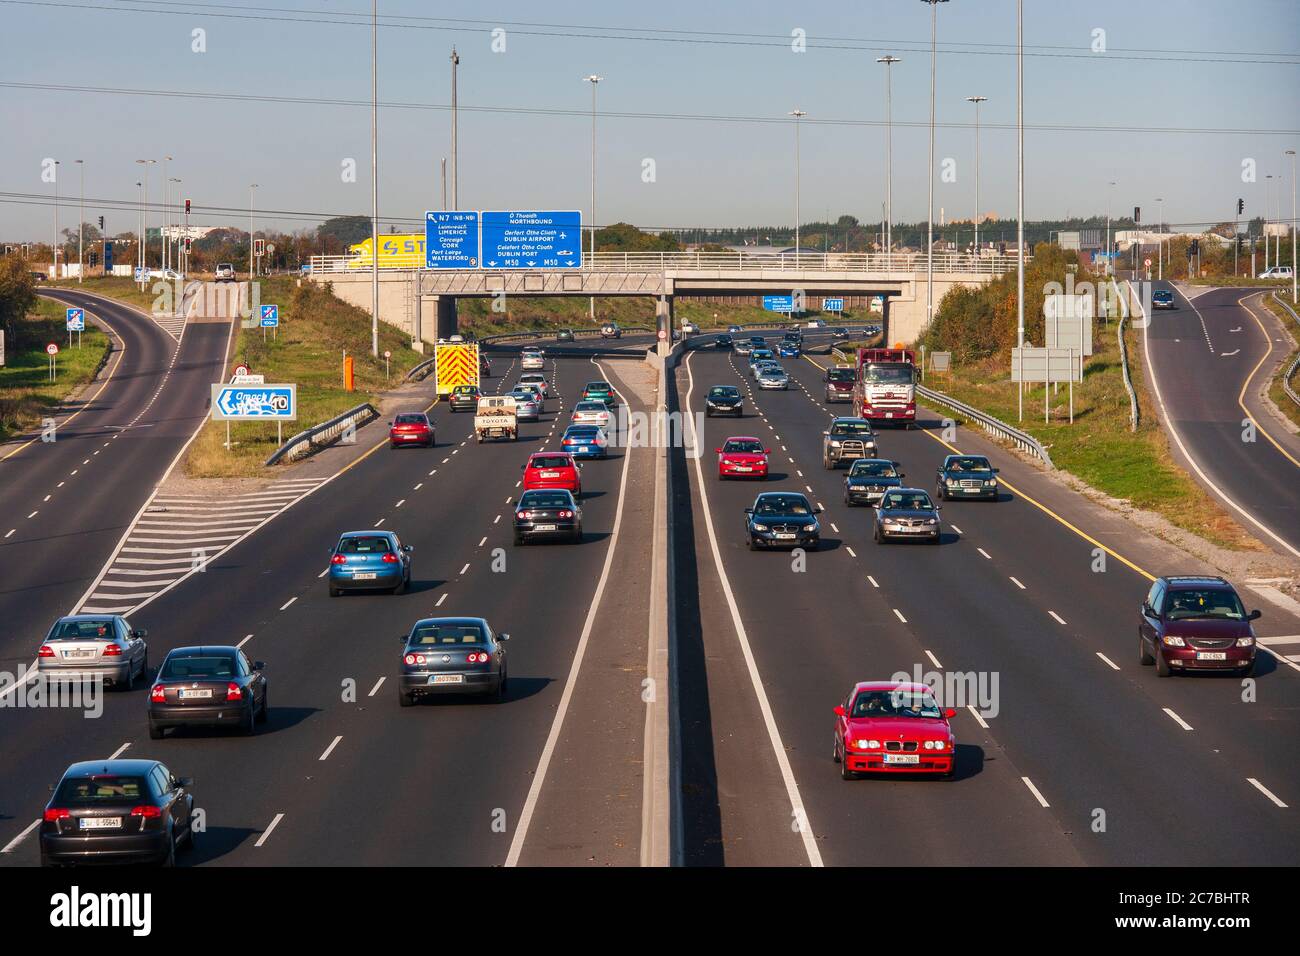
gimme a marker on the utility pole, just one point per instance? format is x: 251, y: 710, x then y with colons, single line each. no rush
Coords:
x: 374, y: 175
x: 929, y: 172
x: 444, y: 184
x: 251, y: 187
x: 1110, y: 195
x: 1268, y: 207
x: 455, y: 194
x: 54, y: 246
x: 1020, y: 187
x: 81, y: 219
x: 977, y: 100
x: 593, y: 79
x: 889, y: 61
x: 1291, y: 153
x: 798, y: 115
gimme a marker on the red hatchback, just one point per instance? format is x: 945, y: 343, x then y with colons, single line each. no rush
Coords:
x: 893, y: 727
x: 411, y: 428
x: 742, y: 457
x: 549, y: 469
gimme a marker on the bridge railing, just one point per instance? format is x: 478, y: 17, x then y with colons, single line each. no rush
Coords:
x: 909, y: 264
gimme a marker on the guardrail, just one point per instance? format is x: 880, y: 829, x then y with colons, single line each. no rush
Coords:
x: 421, y: 371
x: 323, y: 435
x: 1290, y: 373
x: 869, y: 262
x: 1134, y: 413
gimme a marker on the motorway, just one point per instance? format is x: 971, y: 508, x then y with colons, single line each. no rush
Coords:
x: 339, y: 774
x: 1090, y: 758
x: 1211, y: 356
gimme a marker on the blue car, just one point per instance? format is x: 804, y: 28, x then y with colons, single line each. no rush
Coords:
x: 1162, y: 299
x: 585, y: 441
x: 789, y: 349
x: 369, y: 560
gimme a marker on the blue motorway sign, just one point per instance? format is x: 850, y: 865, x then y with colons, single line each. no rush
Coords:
x: 778, y: 303
x: 76, y: 319
x: 532, y: 240
x: 108, y: 257
x: 254, y: 402
x: 451, y: 240
x: 832, y: 305
x: 270, y: 316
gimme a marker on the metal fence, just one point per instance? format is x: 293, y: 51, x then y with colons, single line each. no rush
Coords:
x: 1290, y: 372
x: 1134, y: 413
x: 323, y: 435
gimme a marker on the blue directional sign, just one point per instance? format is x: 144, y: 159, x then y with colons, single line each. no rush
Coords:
x: 532, y: 240
x: 108, y: 257
x: 451, y: 240
x: 76, y: 320
x: 254, y: 402
x: 778, y: 303
x: 270, y: 316
x: 832, y: 305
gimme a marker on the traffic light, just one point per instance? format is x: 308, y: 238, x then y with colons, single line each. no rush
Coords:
x: 1137, y: 213
x: 101, y: 223
x: 187, y: 244
x: 1241, y: 206
x: 187, y: 207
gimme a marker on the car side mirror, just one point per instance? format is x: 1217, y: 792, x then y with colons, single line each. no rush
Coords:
x: 717, y: 451
x: 996, y: 470
x: 408, y: 548
x: 1255, y: 615
x: 950, y: 713
x: 818, y: 509
x: 749, y: 511
x: 839, y: 710
x: 503, y: 637
x: 140, y: 632
x: 402, y: 638
x: 767, y: 451
x: 523, y: 467
x: 938, y: 507
x: 259, y: 665
x: 184, y: 781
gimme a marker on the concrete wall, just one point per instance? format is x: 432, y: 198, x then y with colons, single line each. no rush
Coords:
x: 396, y: 300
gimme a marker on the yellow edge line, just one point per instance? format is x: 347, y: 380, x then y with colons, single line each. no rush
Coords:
x: 1040, y: 506
x: 1241, y: 397
x: 103, y: 385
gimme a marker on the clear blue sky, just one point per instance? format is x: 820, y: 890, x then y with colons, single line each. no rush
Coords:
x: 708, y: 172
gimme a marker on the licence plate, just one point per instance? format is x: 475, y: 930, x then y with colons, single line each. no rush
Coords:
x: 782, y: 536
x: 584, y: 449
x: 903, y: 758
x: 364, y: 576
x: 99, y: 823
x: 741, y: 468
x: 550, y: 474
x: 1211, y: 656
x: 889, y: 414
x: 543, y: 527
x: 76, y: 655
x: 446, y: 678
x: 201, y: 694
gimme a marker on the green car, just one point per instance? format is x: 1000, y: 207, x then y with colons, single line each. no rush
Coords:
x: 600, y: 392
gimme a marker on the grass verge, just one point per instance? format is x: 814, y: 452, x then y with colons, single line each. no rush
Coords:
x: 1275, y: 390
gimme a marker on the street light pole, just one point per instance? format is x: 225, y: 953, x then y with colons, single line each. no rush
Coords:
x: 977, y: 100
x: 1160, y: 245
x: 1268, y: 208
x: 1291, y: 153
x: 798, y: 115
x: 166, y: 219
x: 1020, y: 189
x: 889, y: 61
x: 251, y: 187
x: 81, y: 219
x: 593, y: 79
x: 175, y: 254
x: 1109, y: 197
x: 929, y: 177
x: 54, y: 246
x: 455, y: 116
x: 374, y: 176
x: 144, y: 219
x: 139, y: 246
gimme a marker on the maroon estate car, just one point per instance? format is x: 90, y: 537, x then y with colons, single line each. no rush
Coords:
x: 1196, y: 623
x: 893, y: 727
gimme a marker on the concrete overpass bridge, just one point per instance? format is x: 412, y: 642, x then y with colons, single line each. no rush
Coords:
x: 423, y: 301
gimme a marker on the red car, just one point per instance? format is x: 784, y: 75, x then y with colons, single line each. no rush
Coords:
x: 893, y: 727
x: 411, y: 428
x: 550, y: 469
x: 742, y: 457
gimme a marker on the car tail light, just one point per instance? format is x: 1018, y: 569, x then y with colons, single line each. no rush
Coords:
x: 146, y: 810
x: 234, y: 691
x: 414, y: 658
x: 526, y: 515
x: 390, y: 558
x: 477, y: 657
x: 111, y: 650
x: 339, y: 559
x: 54, y: 814
x: 157, y: 695
x: 566, y: 514
x: 45, y: 651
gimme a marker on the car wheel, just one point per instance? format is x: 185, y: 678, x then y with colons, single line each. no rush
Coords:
x: 249, y: 723
x: 266, y: 706
x: 1145, y: 659
x: 753, y: 545
x: 814, y: 545
x: 835, y: 749
x: 939, y: 493
x: 1248, y: 670
x: 519, y: 540
x: 577, y: 535
x: 404, y: 699
x: 170, y: 858
x: 845, y: 772
x: 335, y: 592
x: 191, y: 839
x: 155, y: 732
x: 1162, y: 665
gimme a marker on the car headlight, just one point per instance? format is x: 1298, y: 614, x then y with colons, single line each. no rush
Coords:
x: 867, y: 744
x: 932, y: 521
x: 1245, y: 642
x: 1173, y: 641
x: 814, y: 526
x: 952, y: 482
x: 835, y: 444
x: 991, y: 483
x: 930, y: 744
x: 759, y: 527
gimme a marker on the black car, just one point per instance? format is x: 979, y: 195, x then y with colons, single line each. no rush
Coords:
x: 547, y: 513
x: 782, y: 519
x: 869, y: 479
x: 451, y: 655
x: 723, y: 342
x: 117, y: 811
x: 1162, y: 299
x: 464, y: 398
x: 724, y: 400
x: 207, y: 686
x: 1196, y: 624
x: 906, y: 513
x: 966, y: 476
x: 564, y: 335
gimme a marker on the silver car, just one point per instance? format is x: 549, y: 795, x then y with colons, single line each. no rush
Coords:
x: 773, y: 378
x: 591, y: 413
x: 532, y: 359
x: 538, y: 379
x: 101, y: 647
x: 528, y: 405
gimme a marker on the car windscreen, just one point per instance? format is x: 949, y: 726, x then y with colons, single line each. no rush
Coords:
x: 782, y: 505
x: 101, y: 788
x: 745, y: 446
x: 912, y: 501
x: 101, y: 629
x: 840, y: 375
x: 864, y: 467
x: 412, y: 419
x: 851, y: 428
x: 724, y: 391
x: 970, y: 464
x: 886, y: 375
x: 1204, y: 603
x: 197, y: 668
x: 551, y: 461
x: 368, y: 544
x: 430, y: 635
x: 545, y: 499
x: 894, y: 703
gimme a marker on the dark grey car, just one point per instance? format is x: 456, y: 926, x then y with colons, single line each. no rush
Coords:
x: 783, y: 519
x: 90, y: 647
x: 906, y: 513
x: 451, y: 655
x: 869, y: 479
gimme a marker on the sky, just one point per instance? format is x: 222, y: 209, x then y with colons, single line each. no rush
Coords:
x: 696, y: 92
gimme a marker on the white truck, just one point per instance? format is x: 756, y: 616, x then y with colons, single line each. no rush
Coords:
x: 496, y: 417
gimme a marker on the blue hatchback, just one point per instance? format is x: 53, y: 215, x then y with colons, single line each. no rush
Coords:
x: 585, y: 441
x: 788, y: 349
x: 366, y: 560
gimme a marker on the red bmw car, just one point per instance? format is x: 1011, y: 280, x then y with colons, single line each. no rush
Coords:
x: 550, y: 469
x: 893, y: 727
x: 742, y: 457
x: 411, y: 428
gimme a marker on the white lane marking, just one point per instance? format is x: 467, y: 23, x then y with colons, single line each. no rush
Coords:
x: 955, y: 528
x: 418, y: 487
x: 483, y: 541
x: 1282, y: 639
x: 1113, y: 665
x: 933, y: 660
x: 835, y: 529
x: 119, y: 751
x: 442, y: 598
x: 323, y: 573
x: 11, y: 531
x: 976, y: 714
x: 1034, y: 790
x: 380, y: 521
x: 9, y: 847
x: 900, y: 615
x: 287, y: 603
x: 496, y: 519
x: 48, y: 497
x: 74, y: 471
x: 1057, y: 618
x: 985, y: 553
x: 1265, y: 791
x: 1016, y: 583
x: 60, y: 484
x: 33, y: 514
x: 247, y: 638
x: 851, y: 552
x: 445, y: 460
x: 432, y: 473
x: 1233, y: 352
x: 1176, y: 719
x: 873, y: 581
x: 400, y: 503
x: 267, y: 832
x: 539, y: 776
x: 378, y: 684
x: 465, y: 568
x: 330, y: 749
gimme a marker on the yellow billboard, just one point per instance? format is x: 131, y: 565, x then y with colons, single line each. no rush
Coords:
x: 395, y: 252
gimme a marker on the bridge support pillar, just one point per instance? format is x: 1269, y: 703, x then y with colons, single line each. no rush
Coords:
x: 664, y: 323
x: 447, y: 322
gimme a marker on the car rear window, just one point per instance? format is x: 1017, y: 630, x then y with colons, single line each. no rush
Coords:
x: 101, y: 788
x: 83, y: 630
x: 551, y: 461
x: 377, y: 544
x: 410, y: 419
x: 544, y: 499
x: 197, y: 668
x: 598, y: 386
x: 427, y: 635
x: 465, y: 390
